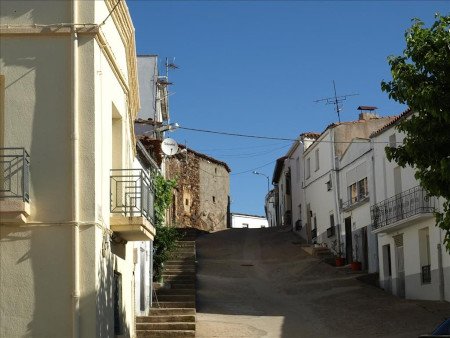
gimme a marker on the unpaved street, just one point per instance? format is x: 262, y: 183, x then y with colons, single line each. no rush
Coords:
x: 260, y: 283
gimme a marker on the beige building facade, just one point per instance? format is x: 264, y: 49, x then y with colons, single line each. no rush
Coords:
x: 69, y: 96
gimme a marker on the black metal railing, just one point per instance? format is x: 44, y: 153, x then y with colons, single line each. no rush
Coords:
x: 426, y: 274
x: 132, y: 193
x: 14, y: 173
x: 402, y: 206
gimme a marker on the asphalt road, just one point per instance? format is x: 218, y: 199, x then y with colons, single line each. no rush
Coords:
x: 260, y: 283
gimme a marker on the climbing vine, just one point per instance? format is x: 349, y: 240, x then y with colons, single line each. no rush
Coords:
x: 166, y: 236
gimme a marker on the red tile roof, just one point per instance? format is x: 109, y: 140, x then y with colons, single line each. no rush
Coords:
x: 310, y: 134
x: 392, y: 123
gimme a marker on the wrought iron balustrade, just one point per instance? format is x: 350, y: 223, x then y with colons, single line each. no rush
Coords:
x: 402, y: 206
x: 14, y: 173
x: 132, y: 193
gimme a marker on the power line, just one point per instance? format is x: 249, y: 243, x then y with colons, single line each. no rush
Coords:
x: 238, y: 135
x: 279, y: 138
x: 110, y: 13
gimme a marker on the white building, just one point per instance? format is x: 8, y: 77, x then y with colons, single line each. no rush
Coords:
x: 270, y: 208
x: 355, y: 192
x: 248, y: 221
x: 321, y: 179
x: 413, y: 262
x: 69, y: 97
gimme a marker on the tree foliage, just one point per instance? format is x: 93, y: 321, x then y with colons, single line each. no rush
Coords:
x: 166, y: 236
x: 421, y: 79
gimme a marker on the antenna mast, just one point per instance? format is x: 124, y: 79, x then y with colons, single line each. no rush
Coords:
x: 336, y: 100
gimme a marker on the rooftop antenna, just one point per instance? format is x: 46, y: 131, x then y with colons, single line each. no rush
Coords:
x: 336, y: 100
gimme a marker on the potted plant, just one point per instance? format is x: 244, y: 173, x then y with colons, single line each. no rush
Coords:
x: 338, y: 256
x: 356, y: 264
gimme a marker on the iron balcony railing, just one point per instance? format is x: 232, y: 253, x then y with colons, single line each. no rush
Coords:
x: 314, y: 233
x: 132, y: 193
x: 14, y: 173
x: 402, y: 206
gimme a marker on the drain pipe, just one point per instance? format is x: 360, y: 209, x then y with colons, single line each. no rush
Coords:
x: 75, y: 179
x: 334, y: 172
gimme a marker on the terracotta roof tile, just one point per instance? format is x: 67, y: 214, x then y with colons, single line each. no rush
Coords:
x: 406, y: 113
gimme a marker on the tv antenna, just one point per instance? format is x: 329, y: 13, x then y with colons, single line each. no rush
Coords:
x: 336, y: 100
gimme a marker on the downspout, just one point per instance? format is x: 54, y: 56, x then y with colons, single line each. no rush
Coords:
x: 374, y: 199
x: 336, y: 190
x: 75, y: 179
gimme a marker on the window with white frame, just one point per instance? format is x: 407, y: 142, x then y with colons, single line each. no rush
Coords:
x: 392, y: 141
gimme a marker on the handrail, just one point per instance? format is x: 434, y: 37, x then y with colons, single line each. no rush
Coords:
x: 411, y: 202
x: 132, y: 193
x: 14, y: 173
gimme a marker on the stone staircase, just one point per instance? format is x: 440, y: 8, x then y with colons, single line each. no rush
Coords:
x: 173, y: 311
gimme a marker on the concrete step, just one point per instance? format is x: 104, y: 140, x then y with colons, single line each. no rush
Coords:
x: 165, y: 334
x: 175, y: 304
x: 165, y: 291
x: 166, y: 326
x: 171, y: 312
x: 174, y: 270
x: 179, y: 285
x: 176, y: 298
x: 166, y: 319
x: 179, y: 278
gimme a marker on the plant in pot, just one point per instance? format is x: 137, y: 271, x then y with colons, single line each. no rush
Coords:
x: 338, y: 255
x: 356, y: 264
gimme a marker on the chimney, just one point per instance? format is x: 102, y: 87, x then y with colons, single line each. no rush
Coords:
x: 367, y: 113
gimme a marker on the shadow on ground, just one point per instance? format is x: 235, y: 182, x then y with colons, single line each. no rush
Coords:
x: 259, y: 282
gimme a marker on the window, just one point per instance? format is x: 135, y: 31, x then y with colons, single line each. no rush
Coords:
x: 358, y: 191
x: 245, y: 225
x: 424, y: 252
x: 214, y: 199
x: 288, y: 182
x: 317, y: 159
x: 352, y: 193
x: 308, y: 167
x: 215, y: 171
x: 329, y: 183
x: 362, y: 189
x: 392, y: 141
x: 331, y: 229
x: 187, y: 202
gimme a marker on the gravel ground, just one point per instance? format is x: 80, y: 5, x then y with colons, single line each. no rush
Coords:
x: 260, y: 283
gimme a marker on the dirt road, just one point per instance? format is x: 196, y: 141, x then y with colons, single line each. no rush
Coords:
x: 260, y: 283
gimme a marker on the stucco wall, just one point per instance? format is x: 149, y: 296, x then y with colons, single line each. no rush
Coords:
x: 214, y: 192
x: 38, y: 256
x: 247, y: 221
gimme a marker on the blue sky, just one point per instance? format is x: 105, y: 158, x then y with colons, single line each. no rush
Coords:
x: 255, y: 67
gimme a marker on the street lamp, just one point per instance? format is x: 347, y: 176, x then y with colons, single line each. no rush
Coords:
x: 258, y: 173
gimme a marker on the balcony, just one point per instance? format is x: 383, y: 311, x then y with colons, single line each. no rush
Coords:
x: 132, y: 209
x: 401, y: 209
x: 14, y: 185
x: 355, y: 202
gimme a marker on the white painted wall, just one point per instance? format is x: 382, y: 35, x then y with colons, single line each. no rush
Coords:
x: 37, y: 72
x: 385, y: 188
x: 248, y: 221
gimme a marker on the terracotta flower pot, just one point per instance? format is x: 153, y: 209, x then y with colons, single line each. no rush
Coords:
x: 339, y: 261
x: 356, y: 266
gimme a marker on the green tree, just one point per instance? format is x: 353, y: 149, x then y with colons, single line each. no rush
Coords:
x: 166, y: 236
x: 421, y: 80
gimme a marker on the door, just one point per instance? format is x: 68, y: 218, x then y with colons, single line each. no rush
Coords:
x: 142, y: 297
x: 348, y: 240
x: 308, y: 223
x: 400, y: 262
x: 365, y: 248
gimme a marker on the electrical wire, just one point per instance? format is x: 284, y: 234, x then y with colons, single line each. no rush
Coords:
x: 110, y: 13
x: 239, y: 172
x: 277, y: 138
